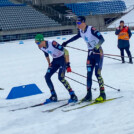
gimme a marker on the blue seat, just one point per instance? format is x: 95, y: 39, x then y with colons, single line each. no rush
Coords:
x: 100, y: 7
x: 11, y: 19
x: 8, y: 3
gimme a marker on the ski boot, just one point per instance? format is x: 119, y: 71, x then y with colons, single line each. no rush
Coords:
x: 88, y: 97
x: 101, y: 98
x: 73, y: 98
x: 123, y: 61
x: 53, y: 98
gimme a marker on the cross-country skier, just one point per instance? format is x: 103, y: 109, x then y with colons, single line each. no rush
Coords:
x: 60, y: 57
x: 94, y: 40
x: 124, y: 34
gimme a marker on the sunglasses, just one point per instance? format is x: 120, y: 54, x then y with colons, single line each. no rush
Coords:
x: 38, y: 43
x: 78, y: 22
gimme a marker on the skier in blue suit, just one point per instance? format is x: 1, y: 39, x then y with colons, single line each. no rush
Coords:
x: 59, y: 62
x: 94, y: 40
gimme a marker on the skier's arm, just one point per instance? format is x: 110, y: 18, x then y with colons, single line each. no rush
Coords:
x: 71, y: 40
x: 47, y: 58
x: 129, y: 32
x: 68, y: 68
x: 98, y: 35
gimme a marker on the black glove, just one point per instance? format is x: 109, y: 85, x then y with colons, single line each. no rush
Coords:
x: 97, y: 47
x: 64, y: 44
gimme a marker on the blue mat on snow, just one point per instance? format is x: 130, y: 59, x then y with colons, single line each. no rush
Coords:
x: 23, y: 91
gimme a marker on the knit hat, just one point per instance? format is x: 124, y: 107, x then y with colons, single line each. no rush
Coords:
x: 81, y: 18
x: 39, y: 37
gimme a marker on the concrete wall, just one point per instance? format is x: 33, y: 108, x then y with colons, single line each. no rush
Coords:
x: 95, y: 21
x: 98, y: 21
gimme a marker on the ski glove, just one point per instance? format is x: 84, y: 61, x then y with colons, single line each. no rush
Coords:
x: 68, y: 68
x: 99, y: 44
x: 64, y: 44
x: 97, y: 47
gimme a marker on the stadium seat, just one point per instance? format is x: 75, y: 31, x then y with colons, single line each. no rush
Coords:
x: 97, y: 8
x: 19, y: 16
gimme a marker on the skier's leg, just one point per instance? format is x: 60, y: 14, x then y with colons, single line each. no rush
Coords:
x: 61, y: 77
x: 50, y: 71
x: 98, y: 68
x: 90, y: 68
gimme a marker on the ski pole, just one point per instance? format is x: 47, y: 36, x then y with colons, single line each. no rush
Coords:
x: 113, y: 55
x: 77, y: 49
x: 115, y: 59
x: 79, y: 82
x: 96, y: 81
x: 100, y: 53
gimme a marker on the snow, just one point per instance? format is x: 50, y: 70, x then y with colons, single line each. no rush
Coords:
x: 26, y: 64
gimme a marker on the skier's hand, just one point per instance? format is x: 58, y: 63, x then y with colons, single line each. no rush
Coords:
x: 97, y: 47
x: 68, y: 68
x: 49, y: 65
x: 90, y: 53
x: 64, y: 44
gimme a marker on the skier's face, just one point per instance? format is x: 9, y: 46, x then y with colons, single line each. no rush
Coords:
x: 79, y: 24
x: 40, y: 44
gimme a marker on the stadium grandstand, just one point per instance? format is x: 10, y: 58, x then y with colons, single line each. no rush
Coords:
x: 23, y: 19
